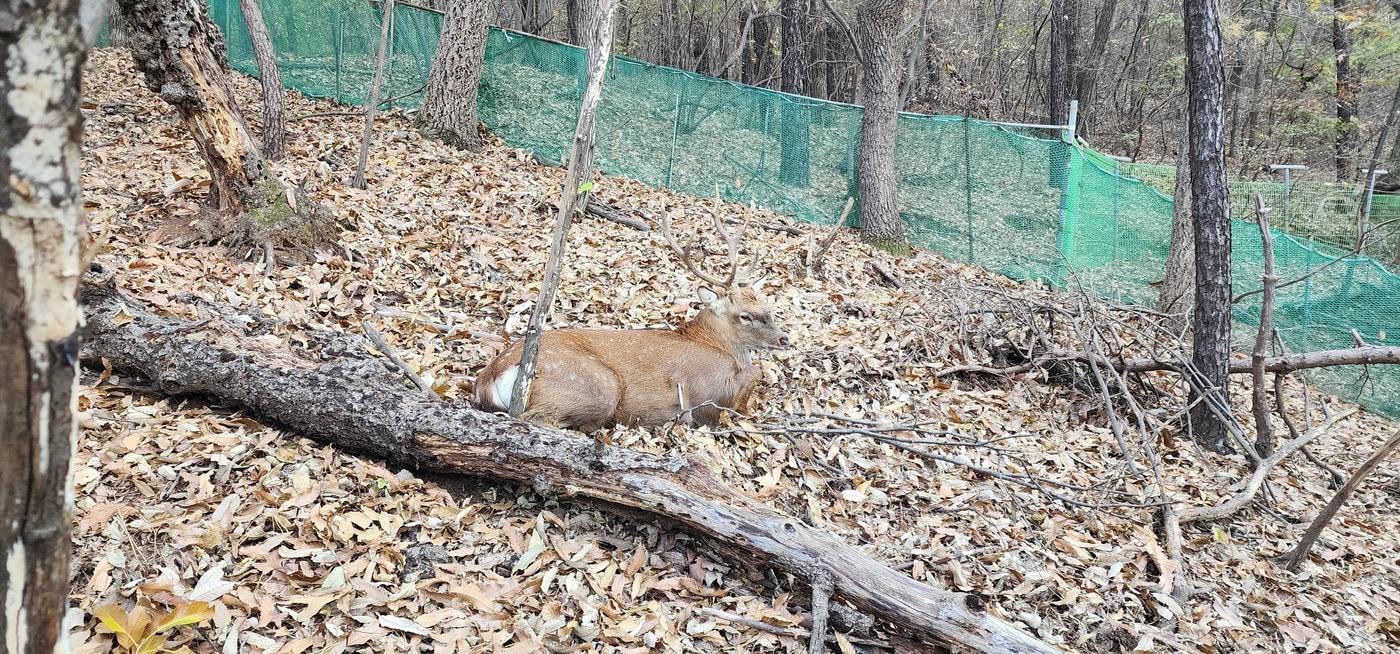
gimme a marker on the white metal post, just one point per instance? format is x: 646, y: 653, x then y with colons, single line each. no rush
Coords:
x: 1287, y: 189
x: 1371, y: 190
x: 1073, y: 120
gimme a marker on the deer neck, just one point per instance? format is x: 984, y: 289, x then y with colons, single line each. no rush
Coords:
x: 709, y: 329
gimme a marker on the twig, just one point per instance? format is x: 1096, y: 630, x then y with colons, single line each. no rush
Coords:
x: 793, y: 632
x: 606, y: 212
x: 372, y: 104
x: 383, y: 346
x: 815, y: 261
x: 1261, y: 472
x: 1263, y: 429
x: 1300, y: 551
x: 886, y: 277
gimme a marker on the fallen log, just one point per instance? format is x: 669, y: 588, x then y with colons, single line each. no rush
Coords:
x: 353, y: 401
x: 1364, y: 355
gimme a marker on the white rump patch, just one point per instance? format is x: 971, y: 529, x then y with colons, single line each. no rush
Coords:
x: 504, y: 385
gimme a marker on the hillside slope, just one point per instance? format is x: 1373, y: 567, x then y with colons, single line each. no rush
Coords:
x: 306, y: 549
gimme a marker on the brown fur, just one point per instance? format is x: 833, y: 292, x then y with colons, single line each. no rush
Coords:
x: 591, y: 378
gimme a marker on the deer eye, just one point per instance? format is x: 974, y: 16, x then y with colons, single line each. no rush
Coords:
x: 745, y: 318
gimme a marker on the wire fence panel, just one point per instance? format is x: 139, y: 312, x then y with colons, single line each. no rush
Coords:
x: 1010, y: 199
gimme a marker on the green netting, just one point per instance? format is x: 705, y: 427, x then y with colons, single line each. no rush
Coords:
x: 1008, y: 199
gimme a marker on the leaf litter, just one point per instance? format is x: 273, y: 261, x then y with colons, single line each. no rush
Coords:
x: 298, y: 547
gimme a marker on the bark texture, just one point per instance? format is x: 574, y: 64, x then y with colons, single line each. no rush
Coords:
x: 1064, y: 39
x: 449, y: 108
x: 41, y: 55
x: 1210, y: 211
x: 795, y: 168
x: 599, y: 32
x: 1179, y: 282
x: 180, y: 53
x: 1348, y: 87
x: 877, y: 26
x: 353, y: 401
x: 274, y: 133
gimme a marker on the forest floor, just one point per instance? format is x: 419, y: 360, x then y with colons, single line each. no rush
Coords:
x: 303, y: 548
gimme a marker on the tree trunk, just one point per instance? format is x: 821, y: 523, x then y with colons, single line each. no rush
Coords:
x: 598, y: 30
x: 1210, y: 212
x: 41, y: 57
x: 274, y: 142
x: 877, y: 27
x: 1179, y: 282
x: 795, y: 166
x: 1348, y: 86
x: 833, y: 54
x: 1064, y: 39
x: 181, y: 55
x: 573, y: 12
x: 351, y: 400
x: 449, y: 108
x: 1094, y: 63
x: 762, y: 69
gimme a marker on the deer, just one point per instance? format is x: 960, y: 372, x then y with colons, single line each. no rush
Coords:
x: 589, y: 379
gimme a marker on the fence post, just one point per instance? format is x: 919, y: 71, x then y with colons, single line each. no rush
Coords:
x: 1287, y: 170
x: 1073, y: 122
x: 675, y: 131
x: 967, y: 183
x: 1370, y: 191
x: 1307, y: 281
x: 339, y: 48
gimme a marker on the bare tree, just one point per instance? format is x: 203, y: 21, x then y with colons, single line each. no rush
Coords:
x: 181, y: 55
x: 1179, y: 283
x: 877, y: 25
x: 1210, y: 212
x: 40, y: 217
x: 1348, y: 85
x: 274, y: 143
x: 1064, y: 37
x: 598, y: 30
x: 449, y: 109
x: 795, y: 168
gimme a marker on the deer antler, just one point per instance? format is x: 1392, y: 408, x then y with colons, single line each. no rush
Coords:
x: 685, y: 253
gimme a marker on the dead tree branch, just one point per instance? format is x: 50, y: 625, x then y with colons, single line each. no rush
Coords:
x: 1263, y: 428
x: 355, y: 403
x: 1300, y: 551
x: 372, y: 104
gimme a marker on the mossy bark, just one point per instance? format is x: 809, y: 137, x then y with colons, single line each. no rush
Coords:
x: 181, y: 55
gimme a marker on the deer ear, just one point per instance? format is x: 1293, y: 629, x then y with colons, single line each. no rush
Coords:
x: 708, y: 296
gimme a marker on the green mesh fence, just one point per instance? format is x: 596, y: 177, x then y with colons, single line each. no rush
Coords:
x: 1007, y: 199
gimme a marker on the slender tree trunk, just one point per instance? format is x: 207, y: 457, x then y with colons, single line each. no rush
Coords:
x: 833, y: 54
x: 1210, y: 212
x: 386, y: 34
x: 180, y: 53
x: 1094, y: 63
x: 795, y: 166
x: 877, y: 27
x: 817, y: 86
x: 574, y: 195
x: 762, y: 69
x: 1064, y: 27
x: 41, y: 57
x: 1348, y: 86
x: 274, y: 142
x: 1179, y: 285
x: 449, y: 108
x: 573, y: 10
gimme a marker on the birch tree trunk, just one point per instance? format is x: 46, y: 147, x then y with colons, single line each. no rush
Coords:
x: 449, y: 109
x: 877, y: 27
x: 1210, y: 211
x: 274, y: 141
x: 41, y: 56
x: 181, y: 55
